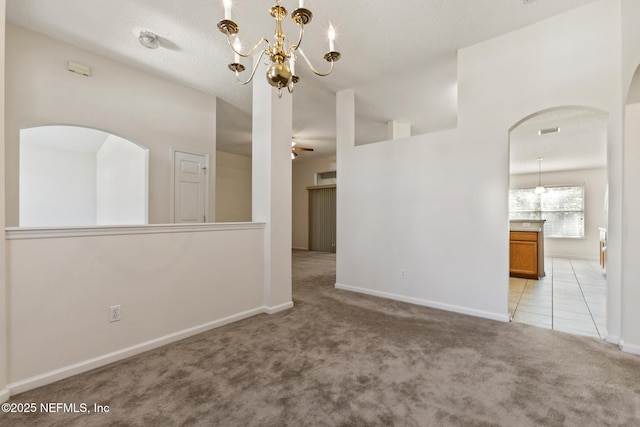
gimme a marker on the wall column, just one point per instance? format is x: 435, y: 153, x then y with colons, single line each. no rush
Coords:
x: 4, y: 307
x: 630, y: 334
x: 345, y: 142
x: 271, y: 186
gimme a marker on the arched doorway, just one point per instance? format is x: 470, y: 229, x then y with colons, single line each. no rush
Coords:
x: 78, y: 176
x: 558, y: 176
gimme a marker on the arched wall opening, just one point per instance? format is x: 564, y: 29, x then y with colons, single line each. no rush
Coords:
x: 558, y: 173
x: 79, y: 176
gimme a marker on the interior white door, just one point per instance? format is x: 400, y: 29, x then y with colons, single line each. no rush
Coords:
x: 190, y: 187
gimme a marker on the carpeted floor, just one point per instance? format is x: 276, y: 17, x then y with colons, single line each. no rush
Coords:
x: 344, y: 359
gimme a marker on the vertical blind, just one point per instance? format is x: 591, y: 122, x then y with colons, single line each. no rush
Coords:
x: 322, y: 219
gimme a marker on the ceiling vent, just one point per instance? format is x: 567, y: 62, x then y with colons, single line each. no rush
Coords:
x: 81, y: 69
x: 548, y: 131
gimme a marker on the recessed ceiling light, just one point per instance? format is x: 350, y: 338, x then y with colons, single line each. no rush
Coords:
x: 148, y: 40
x: 548, y: 131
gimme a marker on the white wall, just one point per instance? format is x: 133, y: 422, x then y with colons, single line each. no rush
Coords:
x: 631, y: 229
x: 57, y: 187
x: 136, y: 105
x: 233, y: 187
x: 595, y: 183
x: 121, y: 183
x: 630, y: 42
x: 4, y: 307
x: 304, y: 173
x: 170, y: 281
x: 439, y: 209
x: 631, y: 245
x: 411, y: 204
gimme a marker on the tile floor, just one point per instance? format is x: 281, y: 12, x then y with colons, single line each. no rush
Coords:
x: 570, y: 298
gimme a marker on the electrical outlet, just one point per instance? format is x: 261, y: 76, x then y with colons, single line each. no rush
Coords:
x: 403, y: 273
x: 115, y: 313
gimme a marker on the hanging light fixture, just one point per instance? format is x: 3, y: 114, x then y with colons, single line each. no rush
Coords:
x: 539, y: 189
x: 281, y: 51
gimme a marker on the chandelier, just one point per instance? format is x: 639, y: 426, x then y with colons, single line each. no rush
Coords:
x: 280, y: 52
x: 540, y: 188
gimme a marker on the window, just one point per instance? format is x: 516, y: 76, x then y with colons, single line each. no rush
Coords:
x: 326, y: 178
x: 561, y: 206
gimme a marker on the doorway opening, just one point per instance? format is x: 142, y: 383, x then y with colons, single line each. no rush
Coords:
x: 558, y: 207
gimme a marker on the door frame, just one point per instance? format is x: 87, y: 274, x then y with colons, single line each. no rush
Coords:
x: 172, y: 190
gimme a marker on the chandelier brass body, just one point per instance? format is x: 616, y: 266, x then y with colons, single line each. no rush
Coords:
x: 280, y: 51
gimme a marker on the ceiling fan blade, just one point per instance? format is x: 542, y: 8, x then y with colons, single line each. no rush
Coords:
x: 301, y: 149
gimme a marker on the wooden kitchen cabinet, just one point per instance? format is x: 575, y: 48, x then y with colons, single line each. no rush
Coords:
x: 526, y: 254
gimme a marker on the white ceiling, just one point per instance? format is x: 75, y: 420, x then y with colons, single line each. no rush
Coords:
x: 400, y: 57
x: 581, y: 142
x: 68, y: 138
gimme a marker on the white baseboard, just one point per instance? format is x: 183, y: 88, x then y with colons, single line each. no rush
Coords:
x: 612, y: 339
x: 300, y: 248
x: 571, y: 256
x: 4, y: 394
x: 630, y: 348
x: 96, y: 362
x: 278, y: 308
x: 426, y: 303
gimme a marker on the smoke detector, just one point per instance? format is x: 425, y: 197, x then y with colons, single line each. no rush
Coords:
x: 148, y: 40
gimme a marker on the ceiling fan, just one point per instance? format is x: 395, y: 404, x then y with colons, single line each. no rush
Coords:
x: 295, y: 149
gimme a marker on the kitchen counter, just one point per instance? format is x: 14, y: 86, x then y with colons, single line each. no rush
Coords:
x: 526, y: 224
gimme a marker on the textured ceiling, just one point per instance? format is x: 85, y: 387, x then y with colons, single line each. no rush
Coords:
x: 580, y: 144
x: 398, y: 56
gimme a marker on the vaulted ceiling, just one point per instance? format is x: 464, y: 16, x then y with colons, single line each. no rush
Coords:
x: 399, y: 56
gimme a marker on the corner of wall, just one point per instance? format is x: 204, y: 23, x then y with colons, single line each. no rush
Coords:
x: 4, y: 321
x: 4, y: 395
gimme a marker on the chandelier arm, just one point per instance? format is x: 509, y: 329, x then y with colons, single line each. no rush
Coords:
x: 297, y: 45
x: 311, y: 65
x: 253, y: 73
x: 248, y: 54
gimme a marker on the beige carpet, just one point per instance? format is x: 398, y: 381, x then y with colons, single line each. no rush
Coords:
x: 343, y: 359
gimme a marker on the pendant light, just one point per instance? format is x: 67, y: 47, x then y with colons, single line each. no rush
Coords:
x: 539, y: 189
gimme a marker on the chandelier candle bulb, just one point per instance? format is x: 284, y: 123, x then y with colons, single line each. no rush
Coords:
x: 292, y: 65
x: 227, y: 10
x: 332, y: 38
x: 237, y: 46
